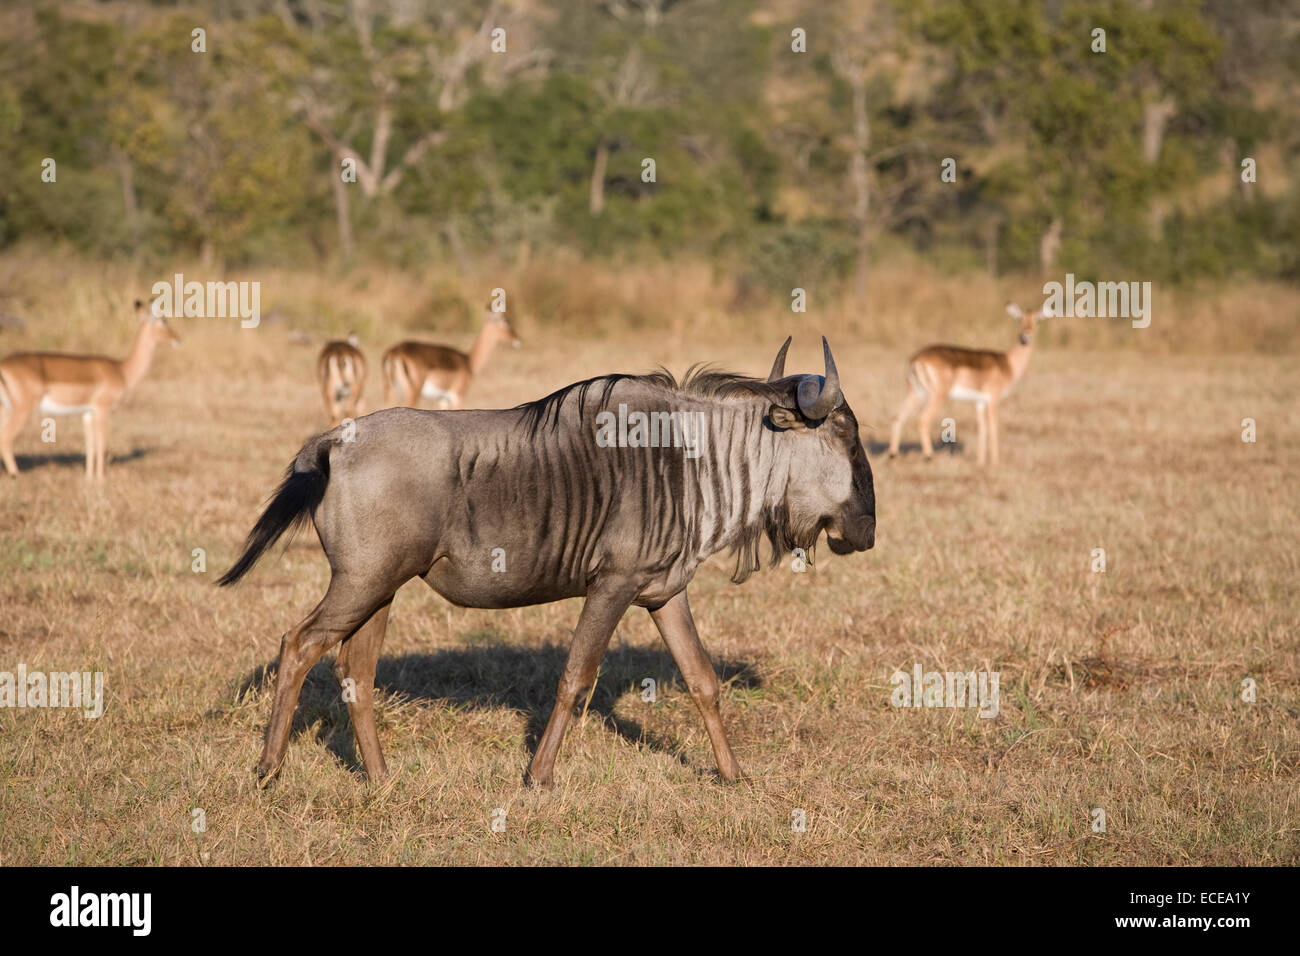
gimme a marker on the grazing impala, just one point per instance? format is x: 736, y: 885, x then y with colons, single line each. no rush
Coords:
x: 85, y: 385
x: 342, y: 372
x: 440, y: 495
x: 941, y: 372
x: 413, y: 369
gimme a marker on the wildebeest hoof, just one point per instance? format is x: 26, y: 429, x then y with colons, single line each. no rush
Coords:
x: 265, y: 775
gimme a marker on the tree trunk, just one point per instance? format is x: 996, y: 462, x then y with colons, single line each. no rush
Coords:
x: 130, y: 208
x: 992, y: 230
x: 597, y: 201
x: 127, y: 175
x: 452, y: 233
x: 344, y: 215
x: 1155, y: 116
x: 1049, y: 246
x: 458, y: 246
x: 861, y: 178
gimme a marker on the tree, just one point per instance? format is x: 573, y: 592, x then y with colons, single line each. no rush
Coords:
x: 376, y: 79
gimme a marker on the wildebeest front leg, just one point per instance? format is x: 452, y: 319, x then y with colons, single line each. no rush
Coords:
x: 600, y: 615
x: 357, y: 660
x: 677, y: 628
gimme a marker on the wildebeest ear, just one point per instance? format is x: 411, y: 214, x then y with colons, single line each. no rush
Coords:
x: 785, y: 418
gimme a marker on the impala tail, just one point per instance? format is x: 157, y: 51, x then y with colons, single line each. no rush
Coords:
x: 292, y: 506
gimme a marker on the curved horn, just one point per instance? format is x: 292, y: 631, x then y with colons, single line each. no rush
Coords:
x: 778, y: 367
x: 818, y: 402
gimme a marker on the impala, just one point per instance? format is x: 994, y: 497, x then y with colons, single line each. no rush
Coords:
x: 85, y: 385
x: 943, y: 372
x: 437, y: 372
x: 342, y: 372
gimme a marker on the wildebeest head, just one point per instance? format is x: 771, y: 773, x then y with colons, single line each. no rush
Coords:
x: 830, y: 484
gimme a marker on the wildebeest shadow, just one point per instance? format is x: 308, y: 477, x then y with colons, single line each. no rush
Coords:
x: 494, y: 676
x: 914, y: 448
x: 67, y: 459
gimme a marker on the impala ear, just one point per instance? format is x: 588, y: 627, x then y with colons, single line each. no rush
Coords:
x: 1015, y: 311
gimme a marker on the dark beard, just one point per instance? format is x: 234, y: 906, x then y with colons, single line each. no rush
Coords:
x: 782, y: 533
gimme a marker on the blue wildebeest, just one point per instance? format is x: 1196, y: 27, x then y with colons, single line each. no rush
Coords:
x: 615, y: 489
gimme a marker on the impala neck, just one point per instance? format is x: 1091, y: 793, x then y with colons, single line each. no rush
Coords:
x: 136, y: 364
x: 481, y: 349
x: 1019, y: 359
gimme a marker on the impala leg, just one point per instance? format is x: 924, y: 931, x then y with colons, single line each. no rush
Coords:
x: 931, y: 411
x: 358, y: 396
x: 14, y: 418
x: 340, y: 613
x: 677, y: 628
x: 911, y: 405
x: 993, y: 433
x: 357, y: 660
x: 101, y: 442
x: 88, y: 428
x: 600, y: 615
x: 981, y: 419
x: 337, y: 407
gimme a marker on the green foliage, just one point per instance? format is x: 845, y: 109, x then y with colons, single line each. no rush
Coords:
x: 233, y: 153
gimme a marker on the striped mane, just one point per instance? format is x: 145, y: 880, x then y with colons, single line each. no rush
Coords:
x: 700, y: 383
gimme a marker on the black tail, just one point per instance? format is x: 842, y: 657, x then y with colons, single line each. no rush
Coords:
x: 292, y: 505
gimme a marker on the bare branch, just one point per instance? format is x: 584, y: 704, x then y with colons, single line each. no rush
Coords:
x: 412, y: 156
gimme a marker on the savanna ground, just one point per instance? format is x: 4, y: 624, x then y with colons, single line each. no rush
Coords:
x: 1120, y: 691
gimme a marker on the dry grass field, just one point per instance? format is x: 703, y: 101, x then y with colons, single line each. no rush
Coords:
x: 1119, y: 691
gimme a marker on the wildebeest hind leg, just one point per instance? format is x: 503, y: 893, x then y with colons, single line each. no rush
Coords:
x: 345, y: 607
x: 357, y: 659
x: 677, y: 628
x: 600, y: 615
